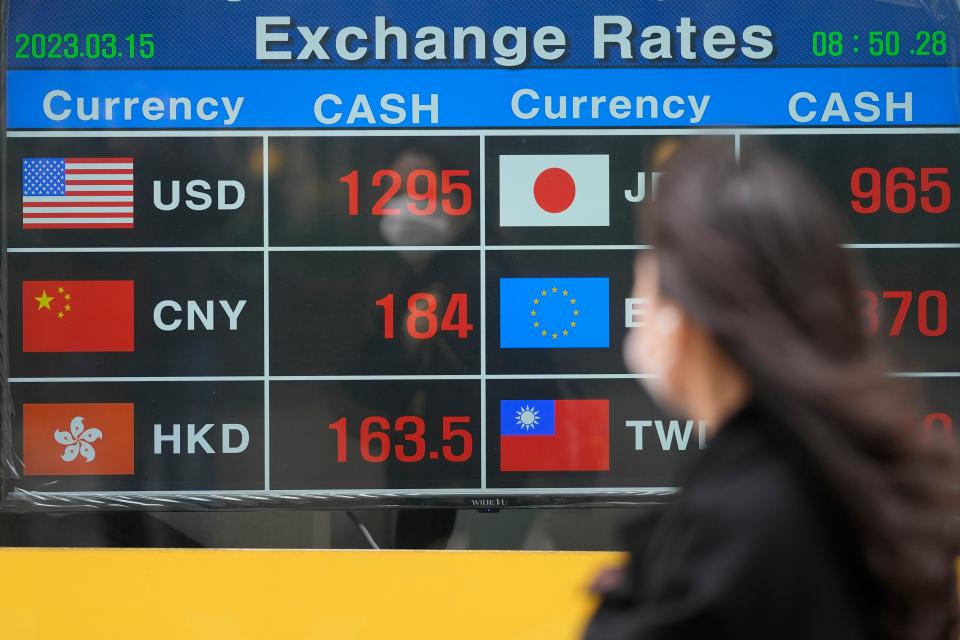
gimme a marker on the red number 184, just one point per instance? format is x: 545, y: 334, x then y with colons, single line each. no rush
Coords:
x: 422, y: 322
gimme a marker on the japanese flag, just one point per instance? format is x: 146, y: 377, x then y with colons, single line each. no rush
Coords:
x: 554, y: 191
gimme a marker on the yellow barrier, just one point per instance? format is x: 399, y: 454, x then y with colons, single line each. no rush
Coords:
x: 337, y: 595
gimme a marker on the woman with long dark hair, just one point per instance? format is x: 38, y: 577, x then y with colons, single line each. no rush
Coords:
x: 817, y: 510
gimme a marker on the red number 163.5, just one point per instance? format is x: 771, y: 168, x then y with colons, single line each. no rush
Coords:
x: 376, y: 445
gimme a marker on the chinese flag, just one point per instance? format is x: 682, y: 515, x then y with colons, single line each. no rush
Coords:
x: 78, y: 439
x: 77, y: 315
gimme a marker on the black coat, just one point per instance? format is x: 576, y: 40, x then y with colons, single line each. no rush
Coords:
x: 752, y: 548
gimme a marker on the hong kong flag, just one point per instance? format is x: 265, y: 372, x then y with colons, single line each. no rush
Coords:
x: 554, y: 191
x: 77, y: 315
x: 68, y: 439
x: 554, y: 435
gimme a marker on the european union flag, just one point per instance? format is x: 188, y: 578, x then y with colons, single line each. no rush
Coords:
x: 554, y: 313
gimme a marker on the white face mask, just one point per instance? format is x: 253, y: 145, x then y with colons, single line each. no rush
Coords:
x: 654, y: 350
x: 406, y: 229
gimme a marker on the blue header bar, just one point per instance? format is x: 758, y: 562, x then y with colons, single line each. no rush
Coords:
x: 306, y: 99
x: 446, y: 34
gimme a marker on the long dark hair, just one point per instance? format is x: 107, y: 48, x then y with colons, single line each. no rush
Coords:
x: 752, y: 251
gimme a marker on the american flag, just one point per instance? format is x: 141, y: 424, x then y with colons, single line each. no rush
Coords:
x: 78, y: 193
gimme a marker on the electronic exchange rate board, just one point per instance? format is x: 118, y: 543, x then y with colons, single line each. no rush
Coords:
x: 266, y: 254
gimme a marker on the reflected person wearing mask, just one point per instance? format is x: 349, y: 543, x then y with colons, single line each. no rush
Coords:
x: 817, y: 509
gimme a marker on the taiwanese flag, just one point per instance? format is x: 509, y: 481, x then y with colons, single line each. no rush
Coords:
x: 61, y: 439
x: 554, y: 435
x: 77, y: 315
